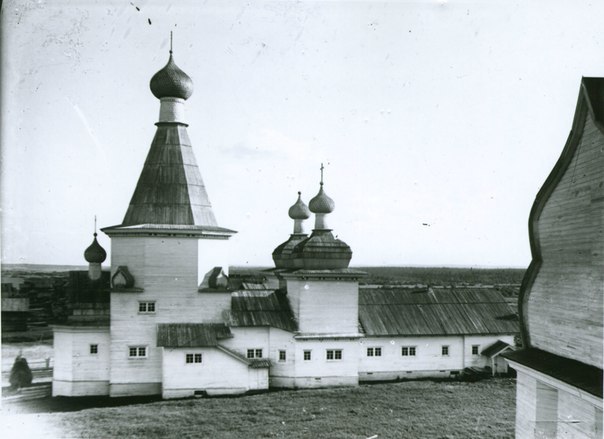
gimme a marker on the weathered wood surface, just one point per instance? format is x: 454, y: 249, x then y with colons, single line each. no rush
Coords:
x: 564, y: 307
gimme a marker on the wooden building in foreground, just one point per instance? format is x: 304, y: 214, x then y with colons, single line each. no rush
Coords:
x: 559, y: 387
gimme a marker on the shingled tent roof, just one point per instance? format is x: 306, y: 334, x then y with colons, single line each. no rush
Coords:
x: 170, y: 189
x: 261, y: 308
x: 442, y: 311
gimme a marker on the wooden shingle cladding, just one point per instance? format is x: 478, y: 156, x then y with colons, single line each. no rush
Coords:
x: 261, y: 308
x: 170, y: 189
x: 445, y: 311
x: 560, y: 304
x: 183, y: 335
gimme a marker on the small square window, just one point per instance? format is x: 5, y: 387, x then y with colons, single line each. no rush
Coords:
x: 370, y: 352
x: 258, y: 353
x: 475, y: 349
x: 188, y: 358
x: 146, y: 307
x: 307, y: 356
x: 445, y: 351
x: 250, y: 353
x: 94, y: 349
x: 137, y: 351
x: 333, y: 354
x: 282, y: 356
x: 408, y: 351
x: 378, y: 352
x: 197, y: 358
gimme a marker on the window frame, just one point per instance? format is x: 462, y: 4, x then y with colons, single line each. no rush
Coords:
x: 475, y: 349
x: 193, y: 358
x: 408, y: 351
x: 137, y: 352
x: 374, y: 351
x: 144, y: 305
x: 304, y: 355
x: 444, y: 351
x: 93, y: 347
x: 333, y: 354
x: 282, y: 356
x: 254, y: 353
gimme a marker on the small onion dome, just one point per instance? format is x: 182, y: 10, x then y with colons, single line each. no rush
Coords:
x: 321, y: 203
x: 299, y: 211
x: 95, y: 253
x: 171, y: 82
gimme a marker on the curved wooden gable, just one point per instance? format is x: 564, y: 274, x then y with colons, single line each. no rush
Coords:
x: 561, y: 297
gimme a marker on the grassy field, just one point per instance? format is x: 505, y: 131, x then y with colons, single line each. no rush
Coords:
x: 413, y: 409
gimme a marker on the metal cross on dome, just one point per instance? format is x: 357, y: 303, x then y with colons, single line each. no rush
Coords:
x: 322, y: 167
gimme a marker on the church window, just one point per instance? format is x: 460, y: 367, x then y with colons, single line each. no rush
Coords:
x: 408, y: 351
x: 94, y: 349
x: 282, y: 356
x: 333, y: 354
x: 146, y: 307
x: 254, y: 353
x: 192, y: 358
x: 475, y: 349
x: 445, y: 351
x: 307, y: 356
x: 137, y: 351
x: 374, y: 352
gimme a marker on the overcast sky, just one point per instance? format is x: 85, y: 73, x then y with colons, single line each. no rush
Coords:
x: 437, y: 121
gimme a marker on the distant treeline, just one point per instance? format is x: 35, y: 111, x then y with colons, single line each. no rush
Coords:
x: 442, y: 276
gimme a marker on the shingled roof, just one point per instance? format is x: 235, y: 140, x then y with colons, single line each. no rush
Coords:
x: 442, y: 311
x: 191, y: 335
x: 261, y: 308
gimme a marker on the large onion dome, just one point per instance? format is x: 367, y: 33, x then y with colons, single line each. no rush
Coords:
x: 299, y: 211
x: 321, y: 203
x: 95, y: 253
x: 171, y: 82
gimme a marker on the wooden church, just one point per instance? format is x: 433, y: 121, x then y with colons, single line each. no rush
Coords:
x: 559, y: 386
x: 164, y: 321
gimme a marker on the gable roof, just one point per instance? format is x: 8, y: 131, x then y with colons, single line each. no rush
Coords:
x: 496, y: 348
x: 261, y: 308
x: 443, y: 311
x: 191, y: 335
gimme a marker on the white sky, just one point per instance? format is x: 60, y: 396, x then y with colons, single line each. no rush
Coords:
x: 445, y: 113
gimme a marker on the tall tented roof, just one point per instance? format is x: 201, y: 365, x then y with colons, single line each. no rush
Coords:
x: 171, y: 82
x: 441, y: 311
x: 170, y: 189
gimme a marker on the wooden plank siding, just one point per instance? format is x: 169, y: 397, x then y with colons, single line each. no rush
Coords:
x: 562, y: 303
x: 166, y: 269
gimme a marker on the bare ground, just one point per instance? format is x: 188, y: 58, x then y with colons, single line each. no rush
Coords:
x: 412, y: 409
